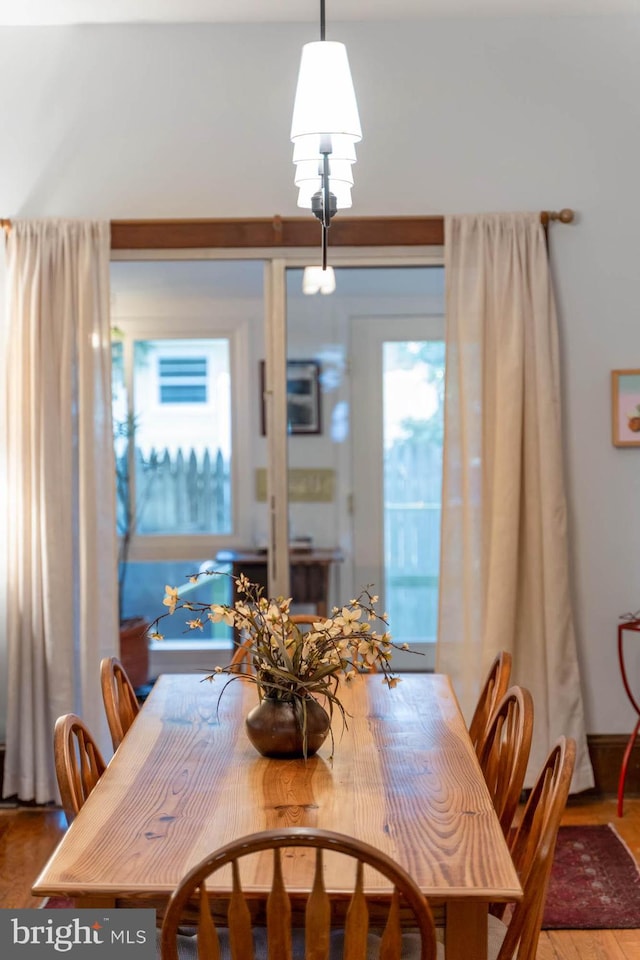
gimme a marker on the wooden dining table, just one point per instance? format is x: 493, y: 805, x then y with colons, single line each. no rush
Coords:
x: 401, y: 775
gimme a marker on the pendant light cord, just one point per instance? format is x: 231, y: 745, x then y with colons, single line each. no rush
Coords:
x: 326, y: 216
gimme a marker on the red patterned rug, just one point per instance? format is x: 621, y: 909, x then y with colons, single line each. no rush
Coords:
x: 595, y: 882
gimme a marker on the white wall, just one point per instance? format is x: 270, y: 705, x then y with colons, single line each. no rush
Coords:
x: 457, y: 116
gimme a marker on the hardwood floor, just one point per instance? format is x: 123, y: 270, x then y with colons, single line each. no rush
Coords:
x: 28, y: 836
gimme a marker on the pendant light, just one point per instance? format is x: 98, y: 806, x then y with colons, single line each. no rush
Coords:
x: 324, y: 130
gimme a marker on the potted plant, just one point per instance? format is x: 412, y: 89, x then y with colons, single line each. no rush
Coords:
x: 134, y: 630
x: 297, y: 674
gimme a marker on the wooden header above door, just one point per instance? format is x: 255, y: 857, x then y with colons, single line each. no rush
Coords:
x: 275, y: 232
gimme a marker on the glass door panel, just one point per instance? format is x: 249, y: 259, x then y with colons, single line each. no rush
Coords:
x: 364, y: 451
x: 187, y: 340
x: 317, y: 403
x: 412, y: 398
x: 397, y: 426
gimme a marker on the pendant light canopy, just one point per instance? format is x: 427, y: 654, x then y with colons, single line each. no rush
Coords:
x: 324, y: 130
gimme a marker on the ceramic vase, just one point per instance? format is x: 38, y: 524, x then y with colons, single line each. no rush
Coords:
x: 279, y: 728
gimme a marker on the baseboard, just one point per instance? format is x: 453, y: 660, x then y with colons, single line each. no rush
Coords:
x: 605, y: 749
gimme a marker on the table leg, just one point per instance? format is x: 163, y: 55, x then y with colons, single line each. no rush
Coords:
x: 465, y: 932
x: 95, y: 903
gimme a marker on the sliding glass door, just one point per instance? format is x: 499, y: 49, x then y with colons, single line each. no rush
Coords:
x: 301, y: 430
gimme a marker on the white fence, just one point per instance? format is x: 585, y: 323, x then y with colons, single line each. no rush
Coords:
x: 185, y: 494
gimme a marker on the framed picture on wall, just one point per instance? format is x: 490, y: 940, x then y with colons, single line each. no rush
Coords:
x: 625, y: 407
x: 303, y: 397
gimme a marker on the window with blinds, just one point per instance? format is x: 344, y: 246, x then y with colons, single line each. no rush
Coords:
x: 182, y: 379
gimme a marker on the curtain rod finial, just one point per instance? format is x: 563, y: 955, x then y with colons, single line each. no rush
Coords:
x: 566, y: 215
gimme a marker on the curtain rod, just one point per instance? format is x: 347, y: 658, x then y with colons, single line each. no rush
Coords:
x: 566, y: 215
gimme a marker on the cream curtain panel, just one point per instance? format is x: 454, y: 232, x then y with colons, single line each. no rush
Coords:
x: 61, y: 540
x: 504, y: 563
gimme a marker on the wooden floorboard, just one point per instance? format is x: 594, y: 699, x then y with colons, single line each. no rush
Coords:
x: 28, y: 836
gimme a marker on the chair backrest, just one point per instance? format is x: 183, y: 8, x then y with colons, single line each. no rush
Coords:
x: 505, y: 753
x: 241, y: 660
x: 494, y: 689
x: 79, y: 763
x: 532, y: 850
x: 311, y: 893
x: 120, y: 701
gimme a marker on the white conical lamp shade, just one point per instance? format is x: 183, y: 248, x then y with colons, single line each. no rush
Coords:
x: 325, y: 99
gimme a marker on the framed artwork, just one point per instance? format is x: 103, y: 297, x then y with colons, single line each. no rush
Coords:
x: 625, y: 407
x: 303, y: 397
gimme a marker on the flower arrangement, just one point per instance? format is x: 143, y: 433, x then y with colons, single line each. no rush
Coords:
x: 286, y: 662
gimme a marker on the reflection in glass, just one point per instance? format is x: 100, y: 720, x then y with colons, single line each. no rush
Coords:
x: 182, y: 411
x: 413, y: 397
x: 146, y: 582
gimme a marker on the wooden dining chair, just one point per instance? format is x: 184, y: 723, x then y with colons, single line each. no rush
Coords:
x: 120, y: 701
x: 79, y: 763
x: 241, y: 660
x: 532, y: 849
x: 505, y: 753
x: 494, y: 689
x: 237, y: 935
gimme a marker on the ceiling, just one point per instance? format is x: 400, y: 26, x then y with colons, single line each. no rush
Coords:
x: 57, y: 12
